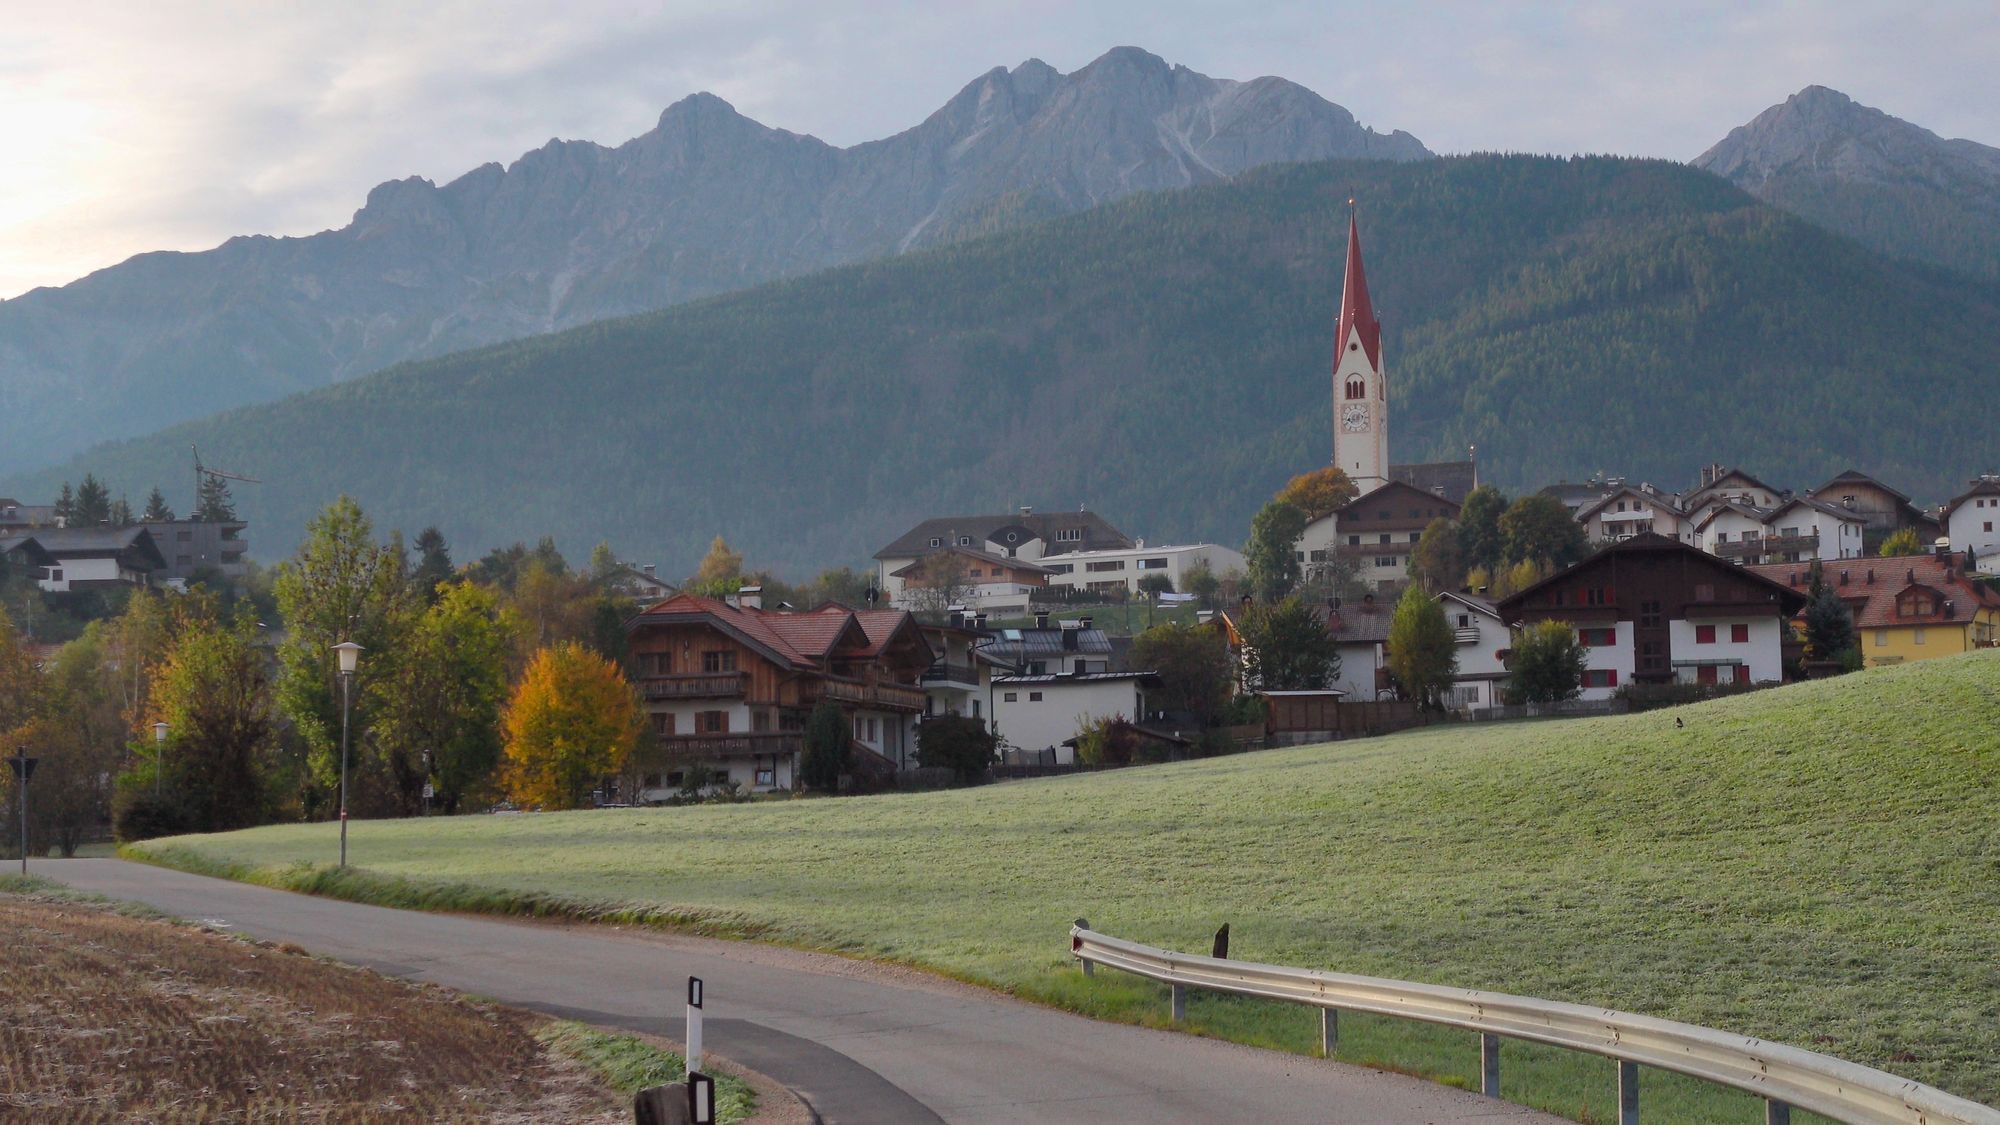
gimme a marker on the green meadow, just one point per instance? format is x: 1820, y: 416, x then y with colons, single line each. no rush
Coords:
x: 1817, y: 864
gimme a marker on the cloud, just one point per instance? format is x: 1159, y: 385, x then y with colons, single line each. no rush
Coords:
x: 136, y: 126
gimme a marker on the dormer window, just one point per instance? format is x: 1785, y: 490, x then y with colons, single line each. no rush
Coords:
x: 965, y: 540
x: 936, y: 542
x: 1069, y: 535
x: 1916, y: 603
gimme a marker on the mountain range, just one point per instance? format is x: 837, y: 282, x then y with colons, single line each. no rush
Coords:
x: 707, y: 202
x: 1163, y: 360
x: 1879, y: 179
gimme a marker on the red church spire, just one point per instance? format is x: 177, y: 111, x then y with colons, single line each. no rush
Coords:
x: 1357, y: 313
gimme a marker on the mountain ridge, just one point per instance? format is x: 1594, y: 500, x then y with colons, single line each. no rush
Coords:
x: 708, y: 201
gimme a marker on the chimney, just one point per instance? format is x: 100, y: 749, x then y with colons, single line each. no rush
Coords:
x: 957, y: 619
x: 750, y: 597
x: 647, y: 570
x: 1027, y: 510
x: 1871, y: 576
x: 1042, y: 619
x: 1084, y: 621
x: 979, y: 621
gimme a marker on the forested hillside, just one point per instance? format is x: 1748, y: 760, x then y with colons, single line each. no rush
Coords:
x: 1164, y: 361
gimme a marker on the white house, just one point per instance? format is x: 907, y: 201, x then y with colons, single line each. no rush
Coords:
x: 1629, y: 510
x: 1028, y: 536
x: 1482, y: 637
x: 1799, y: 529
x: 1119, y: 569
x: 981, y: 581
x: 93, y: 558
x: 1970, y: 519
x: 1037, y: 713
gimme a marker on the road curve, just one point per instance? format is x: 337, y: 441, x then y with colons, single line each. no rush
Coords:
x: 862, y: 1043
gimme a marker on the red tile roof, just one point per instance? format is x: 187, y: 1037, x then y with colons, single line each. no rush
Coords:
x: 1957, y: 600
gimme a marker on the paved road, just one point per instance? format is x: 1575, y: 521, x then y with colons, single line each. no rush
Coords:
x: 862, y: 1043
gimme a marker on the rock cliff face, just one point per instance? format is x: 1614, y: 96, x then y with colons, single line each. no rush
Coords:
x: 707, y: 202
x: 1876, y: 178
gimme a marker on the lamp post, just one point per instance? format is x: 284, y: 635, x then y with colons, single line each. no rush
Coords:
x: 349, y: 654
x: 159, y: 756
x: 24, y: 768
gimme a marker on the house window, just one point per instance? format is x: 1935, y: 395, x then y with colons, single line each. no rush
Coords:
x: 1651, y: 658
x: 1649, y: 615
x: 1416, y: 535
x: 1010, y: 697
x: 1881, y: 638
x: 1600, y: 677
x: 183, y: 536
x: 1103, y: 567
x: 767, y: 775
x: 1152, y: 564
x: 712, y: 722
x: 965, y: 540
x: 1704, y: 592
x: 722, y: 661
x: 1069, y: 535
x: 1704, y: 634
x: 1597, y: 595
x: 1722, y: 537
x: 658, y: 663
x: 1385, y: 560
x: 1038, y: 667
x: 1034, y: 697
x: 1789, y: 532
x: 1319, y: 556
x: 1383, y: 514
x: 874, y: 732
x: 1385, y: 538
x: 1465, y: 621
x: 1739, y: 633
x: 1598, y: 638
x: 1062, y: 568
x: 936, y: 542
x: 1917, y: 636
x: 760, y: 720
x: 975, y: 572
x: 663, y: 723
x: 1354, y: 541
x: 1705, y: 674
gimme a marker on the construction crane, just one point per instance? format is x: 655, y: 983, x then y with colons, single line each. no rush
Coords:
x: 201, y: 471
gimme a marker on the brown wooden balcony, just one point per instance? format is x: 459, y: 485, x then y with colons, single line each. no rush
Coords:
x: 745, y: 742
x: 695, y: 685
x: 951, y: 672
x: 861, y: 693
x: 1770, y: 545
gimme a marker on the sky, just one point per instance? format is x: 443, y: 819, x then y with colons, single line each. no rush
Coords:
x: 136, y: 125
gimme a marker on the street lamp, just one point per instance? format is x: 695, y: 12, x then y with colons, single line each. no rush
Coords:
x: 24, y: 768
x: 159, y: 756
x: 350, y: 655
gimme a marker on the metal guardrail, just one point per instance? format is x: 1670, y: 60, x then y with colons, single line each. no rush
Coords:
x: 1782, y: 1075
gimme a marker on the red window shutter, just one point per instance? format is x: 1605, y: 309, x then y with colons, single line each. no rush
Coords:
x: 1705, y: 674
x: 1704, y: 635
x: 1742, y: 673
x: 1611, y: 677
x: 1740, y: 634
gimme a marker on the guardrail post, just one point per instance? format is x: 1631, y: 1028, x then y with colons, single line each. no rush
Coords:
x: 1084, y: 924
x: 1180, y: 1003
x: 1329, y: 1030
x: 1777, y: 1113
x: 1628, y: 1093
x: 1489, y: 1065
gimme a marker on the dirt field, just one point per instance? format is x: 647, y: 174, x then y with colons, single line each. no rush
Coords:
x: 106, y: 1017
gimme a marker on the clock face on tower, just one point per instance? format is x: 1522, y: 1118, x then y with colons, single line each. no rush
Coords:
x: 1354, y: 419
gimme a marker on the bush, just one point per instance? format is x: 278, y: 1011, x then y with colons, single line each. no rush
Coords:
x: 138, y: 814
x: 957, y: 743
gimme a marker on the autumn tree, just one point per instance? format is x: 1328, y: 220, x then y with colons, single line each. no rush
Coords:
x: 1903, y: 541
x: 1437, y: 563
x: 1201, y: 581
x: 440, y: 709
x: 1286, y: 647
x: 1546, y: 664
x: 341, y: 585
x: 1193, y: 664
x: 1422, y: 650
x: 81, y: 737
x: 572, y: 721
x: 1271, y: 556
x: 1319, y: 493
x: 214, y: 696
x: 720, y: 572
x: 1538, y: 528
x: 943, y: 581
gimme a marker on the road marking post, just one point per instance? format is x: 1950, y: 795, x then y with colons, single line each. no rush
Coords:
x: 694, y: 1025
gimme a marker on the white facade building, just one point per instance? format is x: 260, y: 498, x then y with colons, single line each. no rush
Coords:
x: 1969, y: 522
x: 1037, y: 713
x: 1120, y: 569
x: 1481, y: 637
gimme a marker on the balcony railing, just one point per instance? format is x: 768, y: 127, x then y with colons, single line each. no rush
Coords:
x: 865, y: 694
x: 749, y: 742
x: 1467, y: 636
x: 951, y: 672
x: 1769, y: 545
x: 695, y: 685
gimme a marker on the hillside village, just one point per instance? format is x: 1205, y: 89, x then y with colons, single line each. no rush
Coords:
x: 991, y: 618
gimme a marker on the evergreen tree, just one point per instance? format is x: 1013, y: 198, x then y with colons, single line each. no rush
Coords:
x: 93, y: 503
x: 1422, y: 650
x: 1830, y: 632
x: 433, y: 564
x: 1272, y: 553
x: 121, y: 513
x: 66, y: 507
x: 156, y: 508
x: 214, y: 504
x: 826, y: 747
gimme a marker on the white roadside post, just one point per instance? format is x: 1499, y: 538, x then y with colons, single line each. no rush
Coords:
x: 694, y: 1025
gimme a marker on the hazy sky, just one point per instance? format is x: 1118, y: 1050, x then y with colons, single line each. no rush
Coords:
x: 145, y: 125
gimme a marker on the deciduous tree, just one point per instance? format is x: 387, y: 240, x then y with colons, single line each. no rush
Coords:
x: 1480, y: 540
x: 959, y: 743
x: 440, y: 711
x: 1319, y: 493
x: 944, y: 581
x: 1903, y: 541
x: 572, y: 721
x: 1546, y: 665
x: 1422, y: 651
x: 1438, y: 562
x: 1538, y: 528
x: 214, y: 696
x: 1271, y: 556
x: 1193, y: 664
x: 1286, y: 647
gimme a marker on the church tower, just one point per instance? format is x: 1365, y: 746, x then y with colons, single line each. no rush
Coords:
x: 1360, y: 397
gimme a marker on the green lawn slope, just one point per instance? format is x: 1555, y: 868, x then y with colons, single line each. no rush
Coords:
x: 1818, y: 864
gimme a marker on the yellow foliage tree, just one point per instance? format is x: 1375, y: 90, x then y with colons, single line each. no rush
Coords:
x: 572, y: 721
x: 1318, y: 493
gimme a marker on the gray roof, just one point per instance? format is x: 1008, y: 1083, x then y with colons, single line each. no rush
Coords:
x: 1098, y: 535
x: 28, y: 548
x: 1012, y: 646
x: 1452, y: 480
x: 1087, y: 677
x: 83, y: 542
x: 972, y: 553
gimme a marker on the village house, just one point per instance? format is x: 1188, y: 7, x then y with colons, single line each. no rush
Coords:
x: 1884, y: 510
x: 1116, y: 572
x: 983, y: 581
x: 192, y: 547
x: 98, y: 558
x: 1375, y: 534
x: 1055, y: 678
x: 1719, y: 483
x: 1655, y: 610
x: 727, y: 688
x: 1627, y: 510
x: 1027, y: 537
x: 960, y: 679
x: 1911, y: 607
x: 1969, y: 522
x: 1483, y: 640
x: 639, y: 584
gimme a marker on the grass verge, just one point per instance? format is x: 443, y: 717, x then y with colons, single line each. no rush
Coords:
x: 630, y: 1064
x: 1817, y: 864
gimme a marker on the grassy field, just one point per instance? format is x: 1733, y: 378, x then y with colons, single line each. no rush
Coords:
x: 1817, y: 864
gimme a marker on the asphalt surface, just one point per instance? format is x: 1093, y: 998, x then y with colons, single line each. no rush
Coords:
x: 861, y: 1043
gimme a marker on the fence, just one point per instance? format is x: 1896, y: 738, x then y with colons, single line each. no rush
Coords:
x: 1319, y: 717
x: 1568, y: 708
x: 1783, y: 1076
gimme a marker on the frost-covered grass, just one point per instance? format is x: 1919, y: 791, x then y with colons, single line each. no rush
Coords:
x: 1817, y: 864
